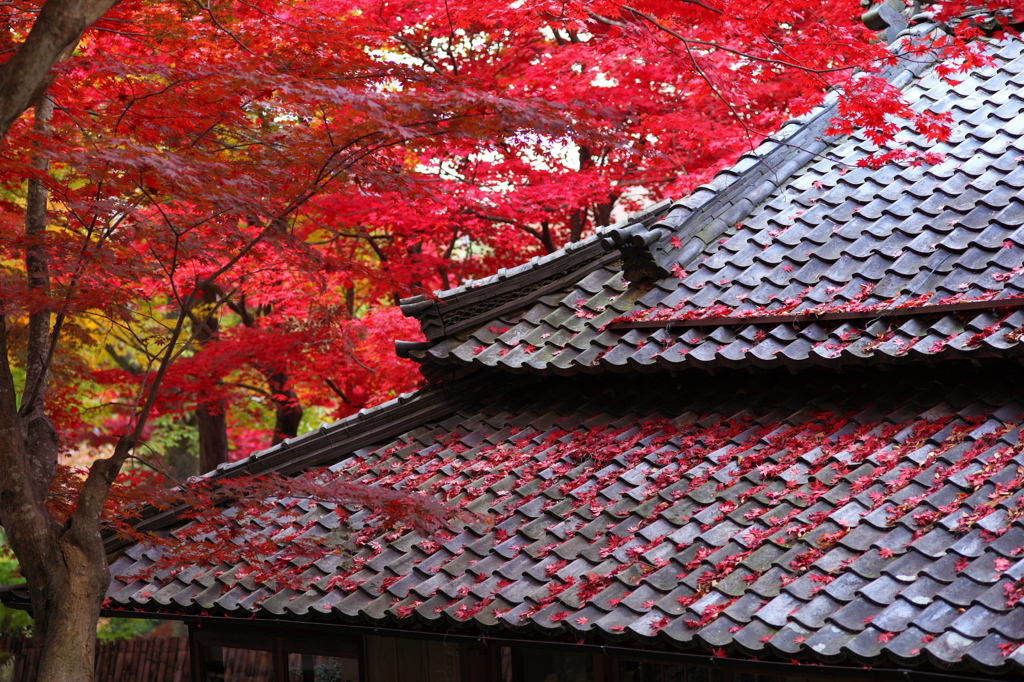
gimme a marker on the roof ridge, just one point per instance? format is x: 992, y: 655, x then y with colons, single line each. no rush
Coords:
x: 711, y: 209
x: 465, y: 306
x: 820, y: 313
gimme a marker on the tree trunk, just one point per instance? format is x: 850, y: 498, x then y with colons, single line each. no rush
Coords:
x: 211, y: 420
x: 288, y: 409
x: 212, y: 425
x: 64, y: 564
x: 39, y: 434
x: 603, y: 211
x: 546, y: 239
x: 577, y: 223
x: 54, y: 35
x: 77, y: 584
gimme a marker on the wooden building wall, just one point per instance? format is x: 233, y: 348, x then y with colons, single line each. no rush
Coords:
x: 389, y: 659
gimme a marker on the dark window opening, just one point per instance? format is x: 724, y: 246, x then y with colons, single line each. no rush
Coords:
x: 228, y: 664
x: 313, y: 668
x: 548, y: 665
x: 652, y: 671
x: 274, y: 656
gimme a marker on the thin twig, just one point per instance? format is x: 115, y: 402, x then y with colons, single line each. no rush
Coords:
x: 703, y: 43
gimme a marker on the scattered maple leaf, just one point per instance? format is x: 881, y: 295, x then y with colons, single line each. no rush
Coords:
x: 435, y: 108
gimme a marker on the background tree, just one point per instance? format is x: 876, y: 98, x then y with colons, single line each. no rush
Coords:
x: 225, y: 193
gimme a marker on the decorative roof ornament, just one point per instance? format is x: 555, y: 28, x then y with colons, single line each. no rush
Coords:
x: 638, y: 242
x: 888, y: 16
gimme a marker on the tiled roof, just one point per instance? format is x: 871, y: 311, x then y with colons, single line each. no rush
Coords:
x: 871, y: 521
x: 829, y: 236
x: 318, y: 448
x: 864, y: 518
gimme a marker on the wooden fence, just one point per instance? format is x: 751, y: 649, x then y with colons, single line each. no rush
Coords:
x: 146, y: 659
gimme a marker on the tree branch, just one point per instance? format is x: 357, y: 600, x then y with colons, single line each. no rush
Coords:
x: 54, y: 34
x: 764, y: 60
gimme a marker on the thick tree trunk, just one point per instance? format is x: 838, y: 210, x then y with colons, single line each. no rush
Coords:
x: 577, y: 223
x: 546, y: 239
x: 64, y: 564
x: 76, y: 585
x: 603, y: 212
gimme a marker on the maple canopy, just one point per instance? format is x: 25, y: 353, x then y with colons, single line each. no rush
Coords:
x: 336, y: 155
x: 223, y: 197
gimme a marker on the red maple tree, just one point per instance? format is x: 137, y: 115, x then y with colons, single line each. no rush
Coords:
x: 221, y: 195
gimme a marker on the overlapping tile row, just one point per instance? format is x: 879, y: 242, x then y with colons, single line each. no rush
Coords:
x: 859, y: 522
x: 833, y: 236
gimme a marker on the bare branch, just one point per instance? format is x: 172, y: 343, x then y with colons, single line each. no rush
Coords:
x: 764, y: 60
